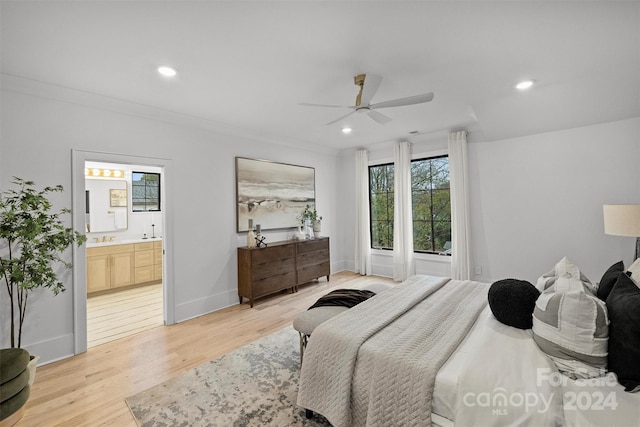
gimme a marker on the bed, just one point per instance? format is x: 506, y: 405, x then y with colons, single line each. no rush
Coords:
x: 432, y: 353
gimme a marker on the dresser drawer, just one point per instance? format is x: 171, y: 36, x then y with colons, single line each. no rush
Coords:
x: 307, y: 274
x: 273, y: 284
x: 261, y: 271
x: 312, y: 258
x: 271, y: 254
x: 309, y: 246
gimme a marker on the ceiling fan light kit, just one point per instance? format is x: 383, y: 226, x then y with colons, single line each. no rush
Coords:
x: 369, y: 84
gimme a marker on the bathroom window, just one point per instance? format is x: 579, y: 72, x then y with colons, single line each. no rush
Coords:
x: 146, y: 191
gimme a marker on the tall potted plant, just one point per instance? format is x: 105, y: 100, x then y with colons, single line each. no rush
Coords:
x: 32, y: 240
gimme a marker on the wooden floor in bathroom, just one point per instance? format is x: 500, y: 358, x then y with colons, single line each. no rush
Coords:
x: 120, y: 314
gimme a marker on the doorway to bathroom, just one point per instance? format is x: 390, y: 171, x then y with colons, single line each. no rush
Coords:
x: 122, y: 275
x: 124, y: 250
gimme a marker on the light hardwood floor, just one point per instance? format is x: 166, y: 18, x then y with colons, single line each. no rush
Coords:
x: 117, y: 315
x: 89, y: 389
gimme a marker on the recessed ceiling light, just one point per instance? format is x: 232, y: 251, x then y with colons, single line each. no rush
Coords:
x: 524, y: 85
x: 346, y: 130
x: 167, y: 71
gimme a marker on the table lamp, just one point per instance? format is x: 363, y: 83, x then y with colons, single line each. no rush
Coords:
x: 623, y: 220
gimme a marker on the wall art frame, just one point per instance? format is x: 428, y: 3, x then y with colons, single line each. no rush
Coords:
x: 272, y: 194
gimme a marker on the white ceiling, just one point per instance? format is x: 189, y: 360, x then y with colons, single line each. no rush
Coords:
x: 246, y: 65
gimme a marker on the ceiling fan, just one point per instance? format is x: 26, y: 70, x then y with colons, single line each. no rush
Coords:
x: 369, y: 84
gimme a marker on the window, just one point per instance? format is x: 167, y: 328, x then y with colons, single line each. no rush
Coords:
x: 430, y: 199
x: 146, y: 191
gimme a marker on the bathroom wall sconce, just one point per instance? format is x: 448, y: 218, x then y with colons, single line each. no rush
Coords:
x: 104, y: 173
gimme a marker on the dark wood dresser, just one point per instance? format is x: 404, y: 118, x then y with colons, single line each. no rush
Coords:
x: 281, y: 265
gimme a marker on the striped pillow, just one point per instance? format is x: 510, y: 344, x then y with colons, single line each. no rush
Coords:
x: 572, y: 328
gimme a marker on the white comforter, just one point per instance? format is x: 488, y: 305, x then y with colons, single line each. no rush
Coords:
x: 376, y: 364
x: 499, y: 377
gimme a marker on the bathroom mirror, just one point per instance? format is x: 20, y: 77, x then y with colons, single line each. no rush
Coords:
x: 107, y: 205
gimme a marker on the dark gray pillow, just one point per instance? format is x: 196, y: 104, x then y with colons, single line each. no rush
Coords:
x: 512, y: 302
x: 609, y: 279
x: 623, y: 304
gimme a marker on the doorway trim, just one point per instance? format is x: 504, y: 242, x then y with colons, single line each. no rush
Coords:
x: 79, y: 271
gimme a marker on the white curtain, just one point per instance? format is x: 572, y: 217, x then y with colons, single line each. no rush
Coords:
x: 460, y: 228
x: 363, y: 236
x: 403, y: 266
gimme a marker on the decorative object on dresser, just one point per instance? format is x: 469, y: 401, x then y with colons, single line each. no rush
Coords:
x: 251, y: 242
x: 281, y: 265
x: 309, y: 218
x: 271, y: 193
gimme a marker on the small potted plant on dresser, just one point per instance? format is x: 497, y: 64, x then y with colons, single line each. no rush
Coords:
x: 32, y: 240
x: 311, y: 215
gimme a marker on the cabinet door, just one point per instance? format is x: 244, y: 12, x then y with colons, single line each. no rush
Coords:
x: 122, y: 269
x: 98, y: 273
x: 144, y: 274
x: 144, y: 258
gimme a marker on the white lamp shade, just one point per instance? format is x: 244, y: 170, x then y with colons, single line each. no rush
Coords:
x: 622, y: 220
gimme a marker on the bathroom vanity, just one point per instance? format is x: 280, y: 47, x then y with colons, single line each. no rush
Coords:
x: 114, y: 265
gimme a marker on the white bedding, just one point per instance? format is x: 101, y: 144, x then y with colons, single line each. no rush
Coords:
x: 418, y: 324
x: 497, y: 360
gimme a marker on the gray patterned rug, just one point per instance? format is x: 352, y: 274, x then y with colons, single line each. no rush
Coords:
x: 255, y: 385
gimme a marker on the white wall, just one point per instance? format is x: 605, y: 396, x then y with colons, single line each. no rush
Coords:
x: 38, y: 135
x: 538, y: 198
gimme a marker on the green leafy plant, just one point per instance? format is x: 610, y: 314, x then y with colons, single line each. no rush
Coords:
x: 308, y: 214
x: 32, y: 239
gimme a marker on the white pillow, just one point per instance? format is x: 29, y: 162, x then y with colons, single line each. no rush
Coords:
x: 565, y: 277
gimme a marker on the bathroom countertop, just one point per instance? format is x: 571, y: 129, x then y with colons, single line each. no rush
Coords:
x: 93, y: 244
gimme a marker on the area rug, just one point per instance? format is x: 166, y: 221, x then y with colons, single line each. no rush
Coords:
x: 255, y: 385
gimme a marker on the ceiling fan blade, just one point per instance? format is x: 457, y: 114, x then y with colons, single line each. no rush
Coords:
x: 378, y: 117
x: 410, y: 100
x: 369, y: 88
x: 340, y: 118
x: 306, y: 104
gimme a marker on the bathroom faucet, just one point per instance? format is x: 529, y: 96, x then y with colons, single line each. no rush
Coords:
x: 111, y: 238
x: 104, y: 238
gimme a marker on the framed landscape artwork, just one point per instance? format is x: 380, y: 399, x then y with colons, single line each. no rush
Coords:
x: 272, y: 194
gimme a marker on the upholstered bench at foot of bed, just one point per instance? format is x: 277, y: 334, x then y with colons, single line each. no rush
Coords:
x: 308, y: 320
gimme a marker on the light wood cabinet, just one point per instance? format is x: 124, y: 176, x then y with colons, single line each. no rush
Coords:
x: 281, y: 265
x: 144, y: 262
x: 98, y: 272
x: 157, y: 260
x: 110, y: 267
x: 116, y: 266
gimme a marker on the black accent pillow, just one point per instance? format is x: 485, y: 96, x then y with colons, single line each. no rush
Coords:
x: 623, y: 305
x: 609, y: 279
x: 512, y: 302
